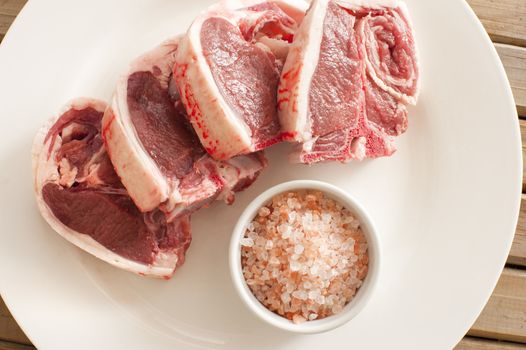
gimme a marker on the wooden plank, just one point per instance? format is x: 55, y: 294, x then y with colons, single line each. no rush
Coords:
x: 5, y: 22
x: 514, y: 61
x: 504, y: 20
x: 9, y: 329
x: 9, y: 9
x: 469, y: 343
x: 504, y: 316
x: 518, y: 249
x: 15, y: 346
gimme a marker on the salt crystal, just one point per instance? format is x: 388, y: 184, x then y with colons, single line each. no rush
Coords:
x: 313, y: 294
x: 326, y: 218
x: 285, y: 297
x: 347, y: 246
x: 363, y: 248
x: 298, y: 249
x: 313, y: 316
x: 347, y: 219
x: 355, y: 225
x: 264, y: 212
x: 324, y: 273
x: 310, y: 198
x: 297, y: 319
x: 342, y: 263
x: 285, y: 231
x: 269, y: 244
x: 247, y: 242
x: 300, y: 235
x: 336, y: 308
x: 274, y: 261
x: 300, y: 294
x: 260, y: 241
x: 294, y: 266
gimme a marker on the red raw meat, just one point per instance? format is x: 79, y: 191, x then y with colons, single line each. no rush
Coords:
x: 154, y: 149
x: 228, y: 69
x: 350, y: 72
x: 81, y: 197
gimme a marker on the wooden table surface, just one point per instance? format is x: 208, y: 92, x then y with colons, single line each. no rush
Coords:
x: 502, y: 323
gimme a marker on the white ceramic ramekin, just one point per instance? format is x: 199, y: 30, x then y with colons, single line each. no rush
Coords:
x: 363, y: 294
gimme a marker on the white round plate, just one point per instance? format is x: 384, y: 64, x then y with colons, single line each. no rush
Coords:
x: 445, y: 204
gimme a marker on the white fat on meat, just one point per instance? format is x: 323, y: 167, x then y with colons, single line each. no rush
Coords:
x: 153, y: 147
x: 140, y: 175
x: 220, y: 117
x: 46, y: 165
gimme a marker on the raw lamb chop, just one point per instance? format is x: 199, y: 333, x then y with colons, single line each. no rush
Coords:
x: 81, y: 197
x: 350, y: 72
x: 155, y: 150
x: 228, y: 68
